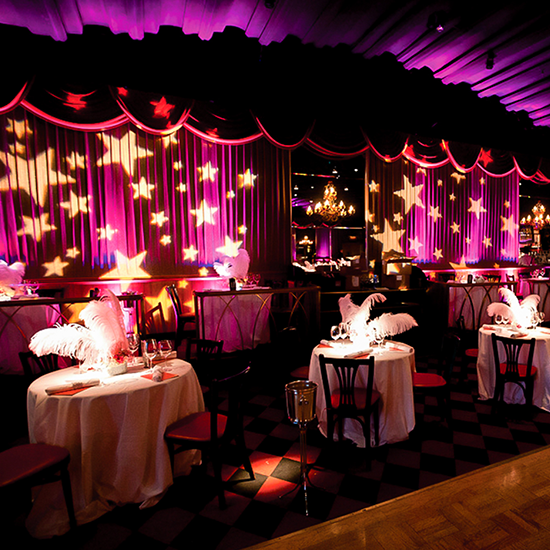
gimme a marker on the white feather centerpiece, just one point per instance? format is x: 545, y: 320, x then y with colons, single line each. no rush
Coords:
x: 10, y: 277
x: 391, y: 324
x: 100, y: 344
x: 521, y: 314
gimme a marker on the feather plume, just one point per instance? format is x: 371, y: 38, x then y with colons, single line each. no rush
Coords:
x: 347, y: 308
x: 391, y: 324
x: 103, y: 321
x: 531, y: 302
x: 70, y: 340
x: 11, y: 275
x: 114, y: 304
x: 499, y: 308
x: 509, y: 297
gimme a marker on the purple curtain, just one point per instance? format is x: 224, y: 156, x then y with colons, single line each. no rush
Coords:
x: 126, y: 202
x: 442, y: 215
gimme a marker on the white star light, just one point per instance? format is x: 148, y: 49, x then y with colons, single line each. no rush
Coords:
x: 124, y: 151
x: 204, y: 214
x: 475, y: 207
x: 415, y: 244
x: 410, y: 195
x: 390, y: 238
x: 142, y: 189
x: 165, y: 240
x: 374, y: 187
x: 55, y: 268
x: 398, y: 218
x: 487, y: 242
x: 35, y: 227
x: 230, y: 248
x: 127, y: 267
x: 190, y: 253
x: 158, y: 218
x: 246, y: 179
x: 106, y: 232
x: 434, y: 213
x: 509, y: 225
x: 438, y: 253
x: 207, y: 171
x: 72, y: 252
x: 76, y: 204
x: 455, y: 227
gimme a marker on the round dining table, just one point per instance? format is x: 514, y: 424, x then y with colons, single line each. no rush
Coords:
x: 394, y: 364
x: 541, y: 360
x: 114, y: 431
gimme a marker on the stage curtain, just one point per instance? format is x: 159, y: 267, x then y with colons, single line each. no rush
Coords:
x: 125, y: 203
x: 443, y: 217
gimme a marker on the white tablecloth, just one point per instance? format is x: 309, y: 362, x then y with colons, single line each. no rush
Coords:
x: 115, y: 434
x: 240, y: 320
x: 513, y: 394
x: 18, y: 323
x: 392, y: 378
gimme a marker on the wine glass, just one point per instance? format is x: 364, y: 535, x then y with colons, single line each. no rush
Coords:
x: 133, y: 344
x: 379, y: 338
x: 498, y: 319
x: 150, y: 351
x: 335, y: 332
x: 165, y: 348
x: 343, y: 330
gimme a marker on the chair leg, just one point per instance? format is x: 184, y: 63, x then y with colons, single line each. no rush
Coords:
x: 67, y: 492
x: 246, y: 459
x: 217, y: 465
x: 377, y: 426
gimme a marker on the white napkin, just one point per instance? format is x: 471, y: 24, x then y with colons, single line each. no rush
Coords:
x: 77, y: 384
x: 358, y: 353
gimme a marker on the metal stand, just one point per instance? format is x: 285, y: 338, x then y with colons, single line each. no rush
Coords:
x: 300, y: 404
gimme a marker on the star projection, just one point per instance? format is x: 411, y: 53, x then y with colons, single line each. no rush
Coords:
x: 442, y: 216
x: 124, y: 203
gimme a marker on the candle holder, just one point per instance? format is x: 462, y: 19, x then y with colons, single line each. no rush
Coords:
x: 300, y: 404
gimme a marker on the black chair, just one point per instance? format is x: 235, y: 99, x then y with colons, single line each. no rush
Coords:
x: 182, y: 320
x: 438, y: 384
x: 348, y: 401
x: 34, y: 366
x: 511, y: 370
x: 212, y: 431
x: 26, y: 466
x: 205, y: 356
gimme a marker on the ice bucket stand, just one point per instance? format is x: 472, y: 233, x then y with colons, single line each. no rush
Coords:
x: 300, y: 405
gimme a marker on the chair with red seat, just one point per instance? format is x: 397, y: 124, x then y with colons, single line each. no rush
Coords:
x: 347, y: 400
x: 37, y: 464
x: 511, y: 370
x: 301, y: 373
x: 211, y: 431
x: 437, y: 384
x: 204, y: 355
x: 35, y: 366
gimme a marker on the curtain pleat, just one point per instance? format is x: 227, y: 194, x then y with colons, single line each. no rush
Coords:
x: 125, y: 203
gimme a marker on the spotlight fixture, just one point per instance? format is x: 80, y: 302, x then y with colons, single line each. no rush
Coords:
x: 436, y: 21
x: 490, y: 60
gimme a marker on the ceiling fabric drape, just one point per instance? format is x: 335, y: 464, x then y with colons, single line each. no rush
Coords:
x: 335, y: 134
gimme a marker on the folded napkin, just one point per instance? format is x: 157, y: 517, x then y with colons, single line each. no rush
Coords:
x: 158, y: 375
x: 489, y: 327
x: 70, y: 388
x: 515, y: 334
x: 396, y: 346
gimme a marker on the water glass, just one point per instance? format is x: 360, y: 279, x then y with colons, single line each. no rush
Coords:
x: 335, y: 332
x: 150, y: 351
x: 165, y: 348
x: 133, y: 344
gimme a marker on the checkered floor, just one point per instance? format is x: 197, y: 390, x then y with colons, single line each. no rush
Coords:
x: 188, y: 516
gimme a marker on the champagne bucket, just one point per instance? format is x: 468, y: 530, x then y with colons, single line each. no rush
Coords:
x: 300, y: 401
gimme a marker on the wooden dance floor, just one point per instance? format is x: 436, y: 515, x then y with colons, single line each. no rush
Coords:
x: 503, y: 506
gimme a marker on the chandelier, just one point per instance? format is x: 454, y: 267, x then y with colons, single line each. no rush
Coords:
x: 538, y: 220
x: 329, y: 210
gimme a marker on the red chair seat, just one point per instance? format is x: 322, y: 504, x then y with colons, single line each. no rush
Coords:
x: 195, y: 427
x: 522, y: 370
x: 360, y: 397
x: 472, y: 352
x: 428, y: 380
x: 24, y: 461
x: 301, y: 372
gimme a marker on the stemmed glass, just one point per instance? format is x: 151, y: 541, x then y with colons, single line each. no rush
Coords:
x: 165, y: 348
x: 133, y: 344
x: 379, y: 338
x: 498, y: 319
x: 335, y: 332
x: 343, y: 330
x: 150, y: 350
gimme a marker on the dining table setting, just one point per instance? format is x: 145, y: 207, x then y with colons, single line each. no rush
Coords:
x: 359, y: 337
x: 519, y: 319
x: 110, y: 411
